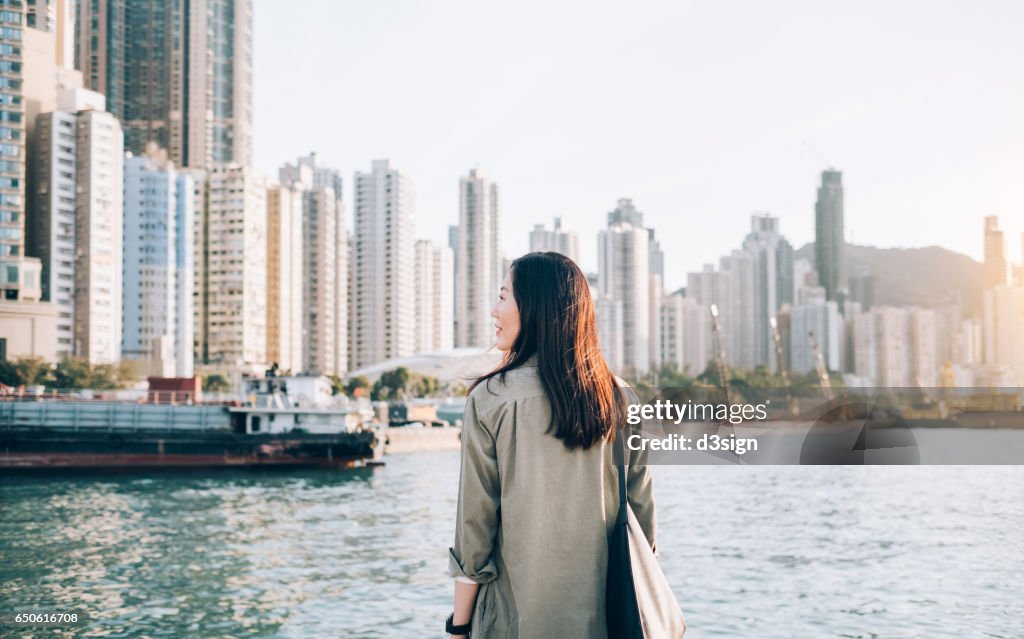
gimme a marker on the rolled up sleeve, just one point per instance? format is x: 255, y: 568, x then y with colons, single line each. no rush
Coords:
x: 640, y: 492
x: 476, y: 524
x: 639, y: 482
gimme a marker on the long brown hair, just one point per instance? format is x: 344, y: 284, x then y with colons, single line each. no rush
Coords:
x: 557, y: 323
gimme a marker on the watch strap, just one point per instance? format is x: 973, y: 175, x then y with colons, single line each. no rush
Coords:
x: 452, y: 629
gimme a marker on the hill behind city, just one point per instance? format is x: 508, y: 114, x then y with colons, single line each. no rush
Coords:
x: 924, y: 276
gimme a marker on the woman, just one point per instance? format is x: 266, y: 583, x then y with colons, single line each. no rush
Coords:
x: 538, y: 490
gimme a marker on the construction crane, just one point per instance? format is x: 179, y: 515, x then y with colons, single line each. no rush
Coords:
x: 780, y: 360
x: 716, y: 330
x: 946, y: 381
x: 780, y: 363
x: 819, y: 364
x: 815, y: 153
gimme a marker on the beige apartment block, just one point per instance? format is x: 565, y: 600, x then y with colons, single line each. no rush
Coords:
x: 231, y: 268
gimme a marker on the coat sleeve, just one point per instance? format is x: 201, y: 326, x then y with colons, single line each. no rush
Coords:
x: 477, y: 519
x: 639, y: 483
x: 640, y: 493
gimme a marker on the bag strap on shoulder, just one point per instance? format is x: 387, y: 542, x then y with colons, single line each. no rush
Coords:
x: 622, y: 477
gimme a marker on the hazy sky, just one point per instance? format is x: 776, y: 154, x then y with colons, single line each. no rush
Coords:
x: 698, y: 111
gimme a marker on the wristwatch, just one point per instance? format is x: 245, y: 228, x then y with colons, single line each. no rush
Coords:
x: 456, y: 630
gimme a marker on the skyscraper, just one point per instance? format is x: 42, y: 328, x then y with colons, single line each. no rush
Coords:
x: 1004, y: 331
x: 825, y: 322
x: 176, y: 73
x: 286, y: 306
x: 671, y: 332
x: 231, y: 268
x: 384, y: 268
x: 325, y: 270
x: 994, y: 266
x: 624, y: 276
x: 773, y: 282
x: 434, y: 287
x: 558, y: 240
x: 20, y: 280
x: 479, y: 262
x: 159, y: 212
x: 862, y: 287
x: 739, y: 314
x: 829, y: 238
x: 27, y: 324
x: 78, y: 223
x: 1020, y: 267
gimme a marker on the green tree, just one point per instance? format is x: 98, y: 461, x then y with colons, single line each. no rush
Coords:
x: 9, y: 375
x: 78, y: 373
x: 72, y: 372
x: 392, y: 384
x: 337, y: 387
x: 423, y: 385
x: 105, y: 377
x: 216, y: 383
x: 670, y: 377
x: 357, y: 382
x: 30, y: 371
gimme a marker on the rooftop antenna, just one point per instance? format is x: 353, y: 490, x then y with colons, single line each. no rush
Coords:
x: 816, y: 154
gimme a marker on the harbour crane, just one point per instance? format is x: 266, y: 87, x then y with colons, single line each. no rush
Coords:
x: 780, y: 363
x: 819, y: 364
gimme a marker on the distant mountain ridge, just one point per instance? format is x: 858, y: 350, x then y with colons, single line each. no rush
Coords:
x: 926, y: 276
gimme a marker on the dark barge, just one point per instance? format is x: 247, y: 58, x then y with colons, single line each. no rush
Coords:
x: 57, y: 434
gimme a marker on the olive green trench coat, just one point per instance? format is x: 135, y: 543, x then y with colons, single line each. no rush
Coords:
x: 534, y: 518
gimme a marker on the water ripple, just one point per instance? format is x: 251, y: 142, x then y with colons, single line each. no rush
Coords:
x: 749, y: 551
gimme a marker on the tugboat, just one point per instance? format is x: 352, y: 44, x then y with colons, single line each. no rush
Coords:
x: 267, y: 430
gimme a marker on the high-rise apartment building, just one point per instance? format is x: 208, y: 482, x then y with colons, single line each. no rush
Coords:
x: 821, y: 322
x: 734, y: 288
x: 738, y: 315
x: 231, y: 268
x: 1004, y: 331
x: 608, y: 312
x: 994, y: 266
x: 624, y: 276
x: 862, y: 287
x: 1019, y: 281
x: 773, y: 283
x: 709, y: 286
x: 326, y: 265
x: 384, y: 266
x: 57, y: 17
x: 671, y: 334
x: 896, y: 347
x: 20, y: 274
x: 893, y: 347
x: 175, y: 73
x: 158, y: 265
x: 27, y: 324
x: 434, y: 288
x: 557, y: 239
x: 829, y: 238
x: 285, y: 280
x: 479, y: 261
x: 923, y: 341
x: 78, y: 224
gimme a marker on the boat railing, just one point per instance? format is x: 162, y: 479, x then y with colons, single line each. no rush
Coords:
x: 122, y: 396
